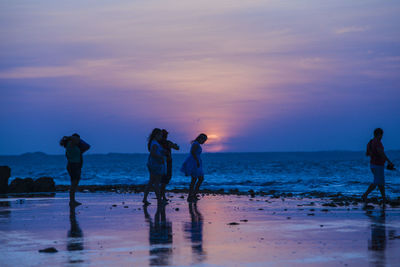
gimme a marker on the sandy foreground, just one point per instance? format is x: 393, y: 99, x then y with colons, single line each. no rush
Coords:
x: 112, y: 229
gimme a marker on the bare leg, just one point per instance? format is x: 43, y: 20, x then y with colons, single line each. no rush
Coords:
x: 199, y: 182
x: 369, y: 190
x: 147, y: 189
x: 191, y: 188
x: 162, y: 191
x: 75, y: 174
x: 382, y: 189
x: 156, y: 185
x: 72, y: 191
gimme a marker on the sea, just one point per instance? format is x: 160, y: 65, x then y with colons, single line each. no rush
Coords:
x: 345, y: 172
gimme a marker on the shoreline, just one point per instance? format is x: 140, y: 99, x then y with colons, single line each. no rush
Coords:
x: 336, y: 199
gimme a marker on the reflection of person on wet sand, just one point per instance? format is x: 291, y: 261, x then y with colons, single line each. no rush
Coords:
x: 378, y: 239
x: 160, y: 236
x: 75, y: 234
x: 75, y: 238
x: 194, y: 230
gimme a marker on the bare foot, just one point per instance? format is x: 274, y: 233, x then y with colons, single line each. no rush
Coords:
x: 74, y: 203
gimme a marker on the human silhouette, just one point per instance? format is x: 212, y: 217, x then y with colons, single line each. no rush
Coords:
x: 193, y: 166
x: 375, y: 150
x: 160, y: 236
x: 168, y: 146
x: 194, y: 232
x: 74, y: 149
x: 155, y: 164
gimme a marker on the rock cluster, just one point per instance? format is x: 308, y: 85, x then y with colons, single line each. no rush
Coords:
x: 5, y: 173
x: 28, y: 185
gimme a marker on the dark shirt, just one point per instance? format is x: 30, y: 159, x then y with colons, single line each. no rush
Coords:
x: 376, y: 151
x: 167, y: 147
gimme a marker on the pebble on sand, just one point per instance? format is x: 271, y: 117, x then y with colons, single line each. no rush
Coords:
x: 49, y: 250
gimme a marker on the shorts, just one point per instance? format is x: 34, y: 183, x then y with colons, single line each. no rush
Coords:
x: 74, y: 170
x: 379, y: 174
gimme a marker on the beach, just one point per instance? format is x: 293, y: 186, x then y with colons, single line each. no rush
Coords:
x: 114, y: 229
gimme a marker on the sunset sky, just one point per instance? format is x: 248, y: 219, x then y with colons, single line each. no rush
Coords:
x: 253, y: 75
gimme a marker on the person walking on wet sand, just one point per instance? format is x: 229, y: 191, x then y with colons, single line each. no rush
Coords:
x: 168, y: 146
x: 375, y: 150
x: 155, y: 164
x: 74, y: 148
x: 193, y: 166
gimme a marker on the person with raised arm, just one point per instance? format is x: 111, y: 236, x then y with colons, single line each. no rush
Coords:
x: 168, y: 146
x: 74, y: 149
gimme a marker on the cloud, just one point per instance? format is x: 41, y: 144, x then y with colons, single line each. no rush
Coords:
x: 39, y: 72
x: 350, y: 29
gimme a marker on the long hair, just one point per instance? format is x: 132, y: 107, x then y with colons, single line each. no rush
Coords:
x: 152, y: 136
x: 202, y: 135
x: 64, y: 141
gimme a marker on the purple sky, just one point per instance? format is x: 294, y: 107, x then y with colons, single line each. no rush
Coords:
x: 254, y: 75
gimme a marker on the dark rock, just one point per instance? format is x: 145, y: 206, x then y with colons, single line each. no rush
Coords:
x: 234, y: 191
x: 233, y: 223
x: 177, y: 209
x: 44, y: 184
x: 19, y: 185
x: 244, y: 220
x: 329, y: 205
x: 49, y: 250
x: 368, y: 207
x: 394, y: 203
x: 252, y: 194
x: 5, y: 173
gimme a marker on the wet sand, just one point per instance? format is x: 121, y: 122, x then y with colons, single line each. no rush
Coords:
x: 112, y: 229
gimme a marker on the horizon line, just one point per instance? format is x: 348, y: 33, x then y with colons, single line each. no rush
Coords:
x: 218, y: 152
